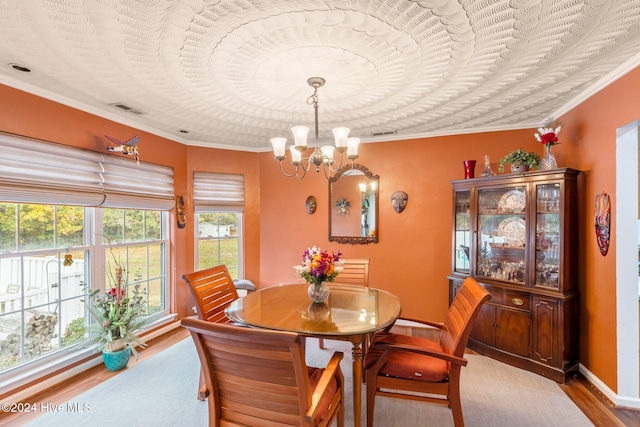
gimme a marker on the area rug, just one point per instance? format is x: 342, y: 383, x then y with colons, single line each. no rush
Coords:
x: 161, y: 391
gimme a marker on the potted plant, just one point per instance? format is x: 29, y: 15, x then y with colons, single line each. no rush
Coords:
x: 520, y: 160
x: 118, y: 314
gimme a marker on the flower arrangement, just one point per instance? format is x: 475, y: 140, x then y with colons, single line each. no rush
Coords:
x: 118, y: 314
x: 318, y: 266
x: 548, y: 133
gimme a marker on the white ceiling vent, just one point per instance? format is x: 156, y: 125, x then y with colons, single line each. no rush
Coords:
x: 126, y: 108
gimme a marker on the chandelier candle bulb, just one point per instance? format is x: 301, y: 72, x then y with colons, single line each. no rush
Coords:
x: 296, y: 155
x: 300, y: 136
x: 341, y: 135
x: 327, y: 154
x: 352, y: 148
x: 278, y: 147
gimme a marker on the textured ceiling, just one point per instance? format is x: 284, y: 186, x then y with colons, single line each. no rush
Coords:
x: 233, y: 73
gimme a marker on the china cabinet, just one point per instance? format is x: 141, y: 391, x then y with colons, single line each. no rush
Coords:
x: 517, y: 236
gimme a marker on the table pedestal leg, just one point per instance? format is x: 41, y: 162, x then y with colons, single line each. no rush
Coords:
x: 356, y: 352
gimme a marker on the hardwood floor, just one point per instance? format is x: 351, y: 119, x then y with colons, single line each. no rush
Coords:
x: 597, y: 408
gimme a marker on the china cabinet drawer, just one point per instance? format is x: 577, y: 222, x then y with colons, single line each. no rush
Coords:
x: 511, y: 299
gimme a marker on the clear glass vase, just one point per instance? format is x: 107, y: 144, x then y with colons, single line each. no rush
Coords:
x: 318, y: 292
x: 549, y: 160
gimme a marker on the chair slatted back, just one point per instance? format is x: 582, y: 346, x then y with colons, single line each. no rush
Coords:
x: 213, y: 290
x: 462, y: 313
x: 258, y: 377
x: 355, y: 271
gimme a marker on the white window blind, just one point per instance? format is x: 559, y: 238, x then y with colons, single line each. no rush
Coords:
x: 218, y: 192
x: 33, y: 171
x: 142, y: 186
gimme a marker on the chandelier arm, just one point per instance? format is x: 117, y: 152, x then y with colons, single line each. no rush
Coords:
x: 295, y: 173
x: 334, y: 170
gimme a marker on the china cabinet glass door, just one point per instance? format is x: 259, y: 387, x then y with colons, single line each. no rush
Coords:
x: 548, y: 235
x: 502, y: 234
x: 462, y: 232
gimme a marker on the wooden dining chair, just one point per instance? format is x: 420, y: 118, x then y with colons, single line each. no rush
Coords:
x: 355, y: 272
x: 401, y: 366
x: 213, y: 290
x: 258, y: 377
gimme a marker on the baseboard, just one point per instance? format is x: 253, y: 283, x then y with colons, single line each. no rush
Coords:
x: 25, y: 393
x: 618, y: 401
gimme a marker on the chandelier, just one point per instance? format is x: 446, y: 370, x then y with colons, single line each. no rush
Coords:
x: 321, y: 156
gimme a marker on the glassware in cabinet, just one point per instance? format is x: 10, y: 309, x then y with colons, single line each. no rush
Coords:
x: 502, y: 236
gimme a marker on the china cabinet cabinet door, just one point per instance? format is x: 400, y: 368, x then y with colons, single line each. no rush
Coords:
x: 548, y: 239
x: 462, y: 232
x: 502, y: 234
x: 513, y: 331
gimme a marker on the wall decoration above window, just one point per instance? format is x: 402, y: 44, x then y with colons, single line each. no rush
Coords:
x: 129, y: 148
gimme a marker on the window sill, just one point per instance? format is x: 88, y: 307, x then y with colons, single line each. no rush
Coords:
x: 29, y: 380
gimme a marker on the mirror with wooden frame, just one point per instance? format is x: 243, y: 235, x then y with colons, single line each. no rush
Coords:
x: 353, y: 206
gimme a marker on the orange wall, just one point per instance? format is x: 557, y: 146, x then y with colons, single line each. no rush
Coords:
x: 589, y: 142
x: 413, y: 256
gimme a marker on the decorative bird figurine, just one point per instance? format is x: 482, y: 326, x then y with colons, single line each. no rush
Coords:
x: 128, y: 148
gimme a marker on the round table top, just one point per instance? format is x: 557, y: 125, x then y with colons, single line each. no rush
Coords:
x: 349, y: 310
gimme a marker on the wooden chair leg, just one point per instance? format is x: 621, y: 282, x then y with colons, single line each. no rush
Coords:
x: 203, y: 393
x: 456, y: 404
x: 371, y: 397
x: 321, y: 343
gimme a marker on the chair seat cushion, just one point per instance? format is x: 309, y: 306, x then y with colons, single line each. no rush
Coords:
x: 327, y: 399
x: 408, y: 365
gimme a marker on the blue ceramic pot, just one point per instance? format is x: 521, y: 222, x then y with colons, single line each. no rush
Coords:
x: 116, y: 360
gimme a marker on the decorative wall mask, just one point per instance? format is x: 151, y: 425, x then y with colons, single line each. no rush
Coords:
x: 311, y: 205
x: 343, y: 206
x: 399, y: 201
x: 182, y: 221
x: 603, y: 218
x: 128, y: 148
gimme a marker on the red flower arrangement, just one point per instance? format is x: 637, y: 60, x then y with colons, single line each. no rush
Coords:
x: 548, y: 133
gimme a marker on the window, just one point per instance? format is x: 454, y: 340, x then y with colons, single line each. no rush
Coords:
x: 134, y: 240
x: 51, y: 255
x: 219, y: 203
x: 219, y: 241
x: 40, y: 296
x: 46, y: 263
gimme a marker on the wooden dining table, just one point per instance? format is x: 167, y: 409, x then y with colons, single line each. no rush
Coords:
x: 350, y: 313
